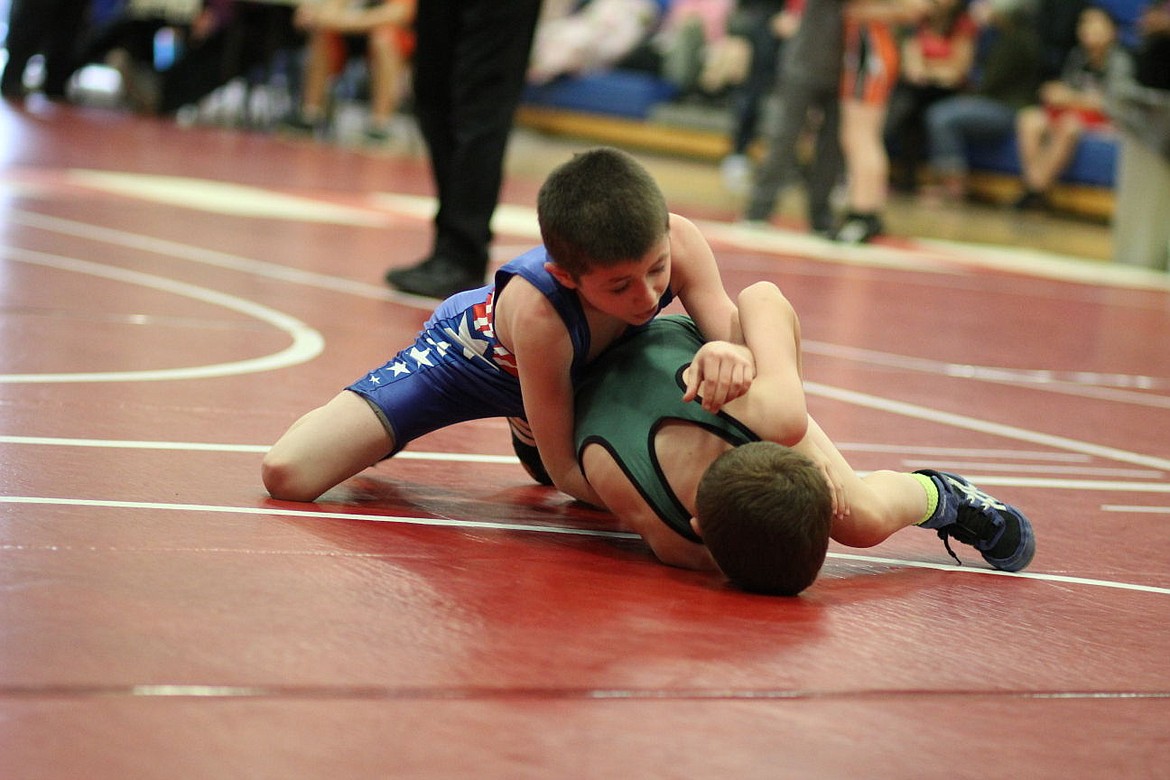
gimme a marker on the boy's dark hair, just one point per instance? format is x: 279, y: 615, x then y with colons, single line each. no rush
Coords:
x: 599, y: 209
x: 764, y: 512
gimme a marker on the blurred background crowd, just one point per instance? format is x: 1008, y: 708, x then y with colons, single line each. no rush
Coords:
x: 854, y: 101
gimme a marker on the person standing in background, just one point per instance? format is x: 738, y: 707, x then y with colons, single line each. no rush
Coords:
x: 764, y: 25
x: 51, y: 28
x: 869, y: 74
x: 469, y: 72
x: 380, y: 30
x: 809, y: 85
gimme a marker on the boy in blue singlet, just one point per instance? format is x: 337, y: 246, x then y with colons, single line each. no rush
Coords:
x: 764, y: 511
x: 612, y: 258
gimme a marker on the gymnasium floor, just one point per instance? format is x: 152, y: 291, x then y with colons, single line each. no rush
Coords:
x: 171, y: 300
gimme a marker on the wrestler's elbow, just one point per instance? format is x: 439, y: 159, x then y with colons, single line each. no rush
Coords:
x: 572, y: 482
x: 794, y: 427
x: 785, y: 423
x: 765, y: 294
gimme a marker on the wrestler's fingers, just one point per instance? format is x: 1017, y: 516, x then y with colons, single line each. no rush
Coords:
x: 720, y: 389
x: 693, y: 380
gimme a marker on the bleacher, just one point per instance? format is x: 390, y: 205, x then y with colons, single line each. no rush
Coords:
x: 633, y: 109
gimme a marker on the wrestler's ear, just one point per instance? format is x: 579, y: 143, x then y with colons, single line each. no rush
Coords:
x: 561, y: 275
x: 695, y: 527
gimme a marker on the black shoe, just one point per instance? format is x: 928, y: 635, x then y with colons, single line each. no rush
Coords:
x: 298, y: 124
x: 12, y: 91
x: 378, y: 134
x: 859, y: 229
x: 55, y: 90
x: 821, y: 223
x: 437, y: 276
x: 1001, y: 532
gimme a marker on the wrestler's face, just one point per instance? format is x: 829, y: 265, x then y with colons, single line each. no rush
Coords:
x: 628, y: 291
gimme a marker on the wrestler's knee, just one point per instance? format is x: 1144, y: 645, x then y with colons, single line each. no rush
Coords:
x: 287, y: 480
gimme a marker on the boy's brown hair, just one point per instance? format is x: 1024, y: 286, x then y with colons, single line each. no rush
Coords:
x: 599, y: 209
x: 765, y: 512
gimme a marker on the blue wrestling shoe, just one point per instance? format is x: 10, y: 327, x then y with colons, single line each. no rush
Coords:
x: 997, y: 530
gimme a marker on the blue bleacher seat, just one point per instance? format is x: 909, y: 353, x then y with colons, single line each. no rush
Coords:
x: 1095, y: 162
x: 624, y: 93
x: 633, y: 95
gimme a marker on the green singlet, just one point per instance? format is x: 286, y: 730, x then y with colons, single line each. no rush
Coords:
x: 634, y: 388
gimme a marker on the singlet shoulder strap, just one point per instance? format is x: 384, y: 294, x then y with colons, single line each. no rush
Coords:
x: 631, y: 392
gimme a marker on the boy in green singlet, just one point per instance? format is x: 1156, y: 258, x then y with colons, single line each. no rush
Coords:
x: 765, y: 486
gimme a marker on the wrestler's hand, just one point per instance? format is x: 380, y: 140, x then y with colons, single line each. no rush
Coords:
x: 836, y: 484
x: 720, y: 372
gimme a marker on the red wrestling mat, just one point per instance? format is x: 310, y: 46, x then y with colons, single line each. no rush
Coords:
x: 173, y: 299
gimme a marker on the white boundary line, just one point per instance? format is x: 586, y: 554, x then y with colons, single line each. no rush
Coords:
x: 307, y: 342
x: 481, y: 525
x: 438, y: 522
x: 963, y: 467
x: 223, y: 197
x: 1011, y: 480
x: 1122, y: 388
x: 129, y: 444
x: 196, y: 254
x: 984, y: 426
x: 184, y: 446
x: 896, y: 449
x: 919, y: 451
x: 1148, y: 510
x: 518, y: 220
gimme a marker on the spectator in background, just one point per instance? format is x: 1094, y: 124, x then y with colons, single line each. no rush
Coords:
x: 1153, y: 52
x: 339, y: 29
x: 763, y: 25
x: 1008, y: 76
x: 209, y: 56
x: 1047, y: 134
x: 1056, y: 24
x: 469, y: 65
x: 206, y: 51
x: 937, y: 60
x: 51, y: 28
x: 689, y: 49
x: 573, y: 39
x: 809, y: 87
x: 126, y: 43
